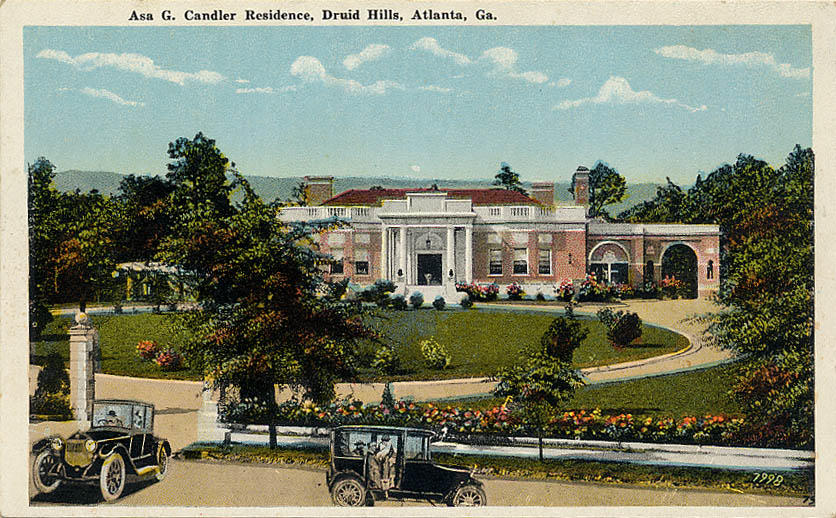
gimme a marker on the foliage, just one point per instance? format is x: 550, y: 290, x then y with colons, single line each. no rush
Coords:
x: 147, y: 349
x: 540, y: 297
x: 622, y: 327
x: 508, y: 179
x: 169, y: 359
x: 265, y: 314
x: 466, y: 303
x: 565, y: 291
x: 514, y: 291
x: 53, y: 378
x: 387, y: 399
x: 386, y: 360
x: 480, y: 292
x: 592, y: 290
x: 378, y: 292
x: 416, y: 299
x: 606, y: 186
x: 43, y: 200
x: 439, y: 303
x: 671, y: 287
x: 52, y: 404
x: 435, y: 355
x: 299, y: 194
x: 563, y: 336
x: 145, y: 203
x: 399, y: 302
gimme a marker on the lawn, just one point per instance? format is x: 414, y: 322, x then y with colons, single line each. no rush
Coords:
x: 479, y: 341
x: 693, y: 393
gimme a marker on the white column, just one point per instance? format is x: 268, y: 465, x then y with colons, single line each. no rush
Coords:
x: 384, y: 256
x: 451, y: 256
x: 468, y: 254
x: 402, y: 246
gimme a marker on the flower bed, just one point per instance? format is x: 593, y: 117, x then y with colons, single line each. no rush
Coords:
x: 479, y: 292
x: 580, y: 424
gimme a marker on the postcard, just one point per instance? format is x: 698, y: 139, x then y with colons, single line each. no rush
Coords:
x: 530, y: 258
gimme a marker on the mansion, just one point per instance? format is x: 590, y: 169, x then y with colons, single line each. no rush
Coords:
x: 429, y: 239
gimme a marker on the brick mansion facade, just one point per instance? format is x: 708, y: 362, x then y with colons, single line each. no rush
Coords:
x: 429, y: 239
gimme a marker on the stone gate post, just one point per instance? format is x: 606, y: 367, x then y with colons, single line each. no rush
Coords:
x: 84, y: 356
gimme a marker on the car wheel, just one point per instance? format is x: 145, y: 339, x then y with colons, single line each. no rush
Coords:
x: 112, y: 477
x: 469, y: 496
x: 45, y: 482
x: 349, y: 492
x: 162, y: 462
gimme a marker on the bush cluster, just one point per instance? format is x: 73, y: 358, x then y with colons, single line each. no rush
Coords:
x: 435, y: 354
x: 622, y: 327
x: 479, y: 292
x: 416, y: 299
x: 386, y: 360
x: 439, y: 303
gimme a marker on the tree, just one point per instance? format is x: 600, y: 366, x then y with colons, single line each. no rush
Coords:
x: 508, y: 179
x: 299, y: 194
x: 266, y: 317
x: 666, y: 207
x: 145, y: 204
x: 43, y: 201
x: 606, y: 186
x: 545, y: 379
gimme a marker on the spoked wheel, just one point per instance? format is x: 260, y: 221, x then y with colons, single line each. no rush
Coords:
x: 162, y: 462
x: 112, y: 477
x: 469, y: 496
x: 43, y: 474
x: 349, y: 492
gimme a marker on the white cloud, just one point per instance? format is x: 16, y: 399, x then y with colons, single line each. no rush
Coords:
x: 712, y: 57
x: 127, y: 62
x: 265, y: 90
x: 415, y: 168
x: 110, y: 96
x: 310, y: 70
x: 434, y: 88
x: 372, y: 52
x: 504, y: 60
x: 431, y: 45
x: 242, y: 81
x: 616, y: 90
x: 563, y: 82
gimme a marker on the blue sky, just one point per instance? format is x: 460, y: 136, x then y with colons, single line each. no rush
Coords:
x: 425, y: 102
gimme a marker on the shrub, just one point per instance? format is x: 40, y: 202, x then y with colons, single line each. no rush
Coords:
x: 53, y: 378
x: 169, y: 359
x: 147, y: 349
x: 416, y: 299
x: 51, y: 404
x: 387, y: 399
x: 466, y: 303
x: 565, y: 291
x: 399, y: 302
x: 479, y: 291
x: 439, y: 303
x: 540, y: 297
x: 672, y: 287
x: 386, y: 360
x: 622, y: 328
x: 514, y: 291
x: 563, y: 336
x: 591, y: 290
x: 435, y: 354
x: 384, y: 302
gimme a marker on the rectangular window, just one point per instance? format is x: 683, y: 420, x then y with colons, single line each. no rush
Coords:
x: 337, y: 265
x: 521, y: 261
x: 544, y: 262
x: 495, y: 266
x: 361, y: 262
x: 415, y: 447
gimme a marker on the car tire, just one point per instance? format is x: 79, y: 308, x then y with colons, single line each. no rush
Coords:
x: 163, y: 466
x: 349, y: 492
x: 112, y: 477
x: 43, y: 462
x: 469, y: 495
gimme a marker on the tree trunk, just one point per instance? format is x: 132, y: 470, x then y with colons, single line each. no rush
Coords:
x: 82, y: 305
x: 540, y: 443
x: 273, y: 442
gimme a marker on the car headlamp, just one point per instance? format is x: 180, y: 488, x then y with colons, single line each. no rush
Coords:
x: 90, y: 445
x: 56, y: 443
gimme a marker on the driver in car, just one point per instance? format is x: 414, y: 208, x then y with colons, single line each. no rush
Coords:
x: 112, y: 419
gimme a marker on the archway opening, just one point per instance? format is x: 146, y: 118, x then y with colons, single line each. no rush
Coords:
x: 680, y: 261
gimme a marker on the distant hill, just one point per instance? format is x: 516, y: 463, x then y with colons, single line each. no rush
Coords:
x: 270, y: 188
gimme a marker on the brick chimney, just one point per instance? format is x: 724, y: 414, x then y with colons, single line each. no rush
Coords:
x: 318, y: 189
x: 543, y: 192
x: 580, y: 186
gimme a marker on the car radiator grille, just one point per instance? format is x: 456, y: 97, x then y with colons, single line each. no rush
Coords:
x: 76, y: 454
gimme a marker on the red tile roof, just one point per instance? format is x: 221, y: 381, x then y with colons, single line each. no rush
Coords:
x: 477, y: 196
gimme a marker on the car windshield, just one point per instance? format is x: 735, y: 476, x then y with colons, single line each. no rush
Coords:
x: 112, y: 414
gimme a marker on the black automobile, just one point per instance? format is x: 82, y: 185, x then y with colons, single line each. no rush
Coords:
x: 120, y: 443
x: 371, y: 463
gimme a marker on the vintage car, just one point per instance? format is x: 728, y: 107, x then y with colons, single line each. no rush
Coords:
x: 120, y: 443
x: 371, y: 463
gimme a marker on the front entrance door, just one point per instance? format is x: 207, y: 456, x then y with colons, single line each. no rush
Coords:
x: 429, y: 269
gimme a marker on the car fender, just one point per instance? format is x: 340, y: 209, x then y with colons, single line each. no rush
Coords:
x: 469, y: 481
x: 106, y: 452
x: 42, y: 444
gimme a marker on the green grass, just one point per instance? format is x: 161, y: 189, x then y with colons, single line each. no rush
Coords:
x: 482, y: 341
x: 118, y: 336
x: 479, y: 341
x: 692, y: 393
x: 793, y: 483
